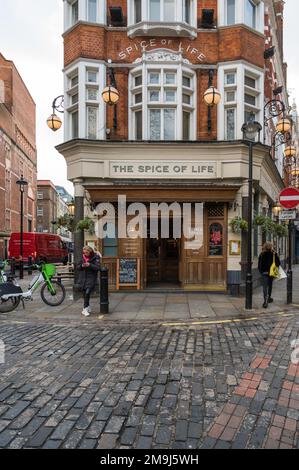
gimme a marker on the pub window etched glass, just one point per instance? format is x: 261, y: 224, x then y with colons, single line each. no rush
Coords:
x: 230, y: 124
x: 215, y: 240
x: 137, y: 10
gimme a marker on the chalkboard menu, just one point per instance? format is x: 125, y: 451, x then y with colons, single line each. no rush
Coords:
x: 128, y: 272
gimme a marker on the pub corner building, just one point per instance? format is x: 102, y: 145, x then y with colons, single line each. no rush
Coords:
x: 161, y: 142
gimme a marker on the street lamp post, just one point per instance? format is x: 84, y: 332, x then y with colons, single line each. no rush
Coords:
x: 250, y: 131
x: 22, y: 183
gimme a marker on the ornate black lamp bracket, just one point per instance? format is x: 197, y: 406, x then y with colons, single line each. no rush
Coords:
x: 272, y: 109
x: 58, y: 104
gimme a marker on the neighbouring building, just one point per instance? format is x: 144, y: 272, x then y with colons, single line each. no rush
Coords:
x: 46, y: 207
x: 63, y: 199
x: 64, y: 194
x: 161, y: 143
x: 17, y: 153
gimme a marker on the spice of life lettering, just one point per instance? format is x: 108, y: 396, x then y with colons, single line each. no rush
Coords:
x: 164, y: 169
x: 154, y: 43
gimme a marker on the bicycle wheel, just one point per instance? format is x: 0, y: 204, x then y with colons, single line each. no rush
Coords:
x: 53, y: 299
x: 7, y: 306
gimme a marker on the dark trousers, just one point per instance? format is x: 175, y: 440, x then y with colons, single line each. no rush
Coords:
x: 86, y: 296
x: 267, y: 286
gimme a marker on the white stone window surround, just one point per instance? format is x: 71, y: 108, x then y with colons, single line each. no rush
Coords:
x: 83, y: 12
x: 81, y: 68
x: 241, y: 69
x: 143, y: 68
x: 178, y: 27
x: 240, y: 6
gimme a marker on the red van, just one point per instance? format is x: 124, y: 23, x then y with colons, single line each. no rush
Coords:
x: 41, y: 246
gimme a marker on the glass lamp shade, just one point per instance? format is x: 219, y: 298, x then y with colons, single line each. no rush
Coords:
x: 71, y: 208
x: 251, y: 129
x: 110, y: 95
x: 283, y: 126
x: 295, y: 172
x: 54, y: 122
x: 290, y: 151
x: 212, y: 96
x: 276, y: 209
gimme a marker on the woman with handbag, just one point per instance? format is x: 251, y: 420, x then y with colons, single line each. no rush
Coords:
x: 269, y: 263
x: 88, y: 276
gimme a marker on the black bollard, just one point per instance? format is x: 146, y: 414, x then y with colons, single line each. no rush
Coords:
x: 30, y: 266
x: 13, y: 266
x: 104, y: 292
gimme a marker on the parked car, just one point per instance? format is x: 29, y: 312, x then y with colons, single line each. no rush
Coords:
x: 41, y: 246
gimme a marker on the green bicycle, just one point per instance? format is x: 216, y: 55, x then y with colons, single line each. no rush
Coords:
x: 52, y: 292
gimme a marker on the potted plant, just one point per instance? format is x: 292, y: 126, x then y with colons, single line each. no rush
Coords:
x: 280, y: 230
x: 238, y: 225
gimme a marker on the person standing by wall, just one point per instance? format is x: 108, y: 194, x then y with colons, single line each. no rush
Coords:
x: 88, y: 276
x: 266, y: 259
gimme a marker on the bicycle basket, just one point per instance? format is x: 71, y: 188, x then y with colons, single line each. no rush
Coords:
x: 49, y: 269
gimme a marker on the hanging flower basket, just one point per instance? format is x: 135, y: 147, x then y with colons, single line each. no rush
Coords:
x: 86, y: 224
x: 280, y: 230
x: 239, y: 225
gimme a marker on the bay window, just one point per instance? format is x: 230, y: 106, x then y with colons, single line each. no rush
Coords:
x: 84, y: 107
x: 248, y: 12
x: 162, y: 102
x: 241, y: 85
x: 92, y: 11
x: 179, y: 16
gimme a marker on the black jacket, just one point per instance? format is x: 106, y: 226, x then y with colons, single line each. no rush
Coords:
x: 88, y: 277
x: 266, y: 261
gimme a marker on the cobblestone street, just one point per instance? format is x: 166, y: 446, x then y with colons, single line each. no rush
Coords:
x: 68, y: 384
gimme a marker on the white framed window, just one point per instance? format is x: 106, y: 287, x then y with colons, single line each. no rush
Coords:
x: 248, y: 12
x: 40, y: 195
x: 241, y: 85
x: 92, y: 11
x: 162, y: 100
x: 85, y: 115
x: 40, y: 211
x: 146, y: 14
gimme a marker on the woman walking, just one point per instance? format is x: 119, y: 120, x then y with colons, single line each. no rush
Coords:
x: 266, y: 259
x: 88, y: 275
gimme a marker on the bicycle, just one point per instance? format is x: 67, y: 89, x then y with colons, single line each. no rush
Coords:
x: 3, y: 274
x: 52, y: 292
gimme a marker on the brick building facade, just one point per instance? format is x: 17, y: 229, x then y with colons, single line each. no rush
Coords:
x: 163, y: 54
x: 47, y: 206
x: 17, y: 153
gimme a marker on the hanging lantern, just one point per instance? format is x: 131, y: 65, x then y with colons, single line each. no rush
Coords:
x: 54, y: 122
x: 110, y: 95
x: 283, y: 126
x: 212, y: 96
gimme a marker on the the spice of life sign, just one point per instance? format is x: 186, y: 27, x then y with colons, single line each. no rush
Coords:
x: 162, y: 169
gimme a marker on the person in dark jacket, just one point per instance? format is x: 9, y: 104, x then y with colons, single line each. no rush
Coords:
x: 265, y: 263
x: 88, y: 276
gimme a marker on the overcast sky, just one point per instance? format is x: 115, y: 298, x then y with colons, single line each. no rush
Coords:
x: 30, y: 35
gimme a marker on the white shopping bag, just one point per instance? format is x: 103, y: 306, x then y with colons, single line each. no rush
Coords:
x: 281, y: 274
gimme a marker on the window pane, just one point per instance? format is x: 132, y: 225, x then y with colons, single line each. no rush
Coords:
x: 92, y: 114
x: 187, y: 8
x: 230, y: 96
x: 75, y: 125
x: 74, y: 81
x: 92, y: 77
x: 187, y: 82
x: 230, y: 78
x: 169, y: 10
x: 75, y: 98
x: 186, y: 126
x: 230, y: 124
x: 216, y: 240
x: 138, y: 125
x: 251, y: 82
x: 170, y: 95
x: 154, y: 78
x: 138, y: 80
x: 249, y: 116
x: 154, y: 10
x: 138, y: 98
x: 155, y: 124
x: 230, y: 12
x: 169, y: 78
x: 250, y: 13
x: 137, y: 11
x: 75, y: 12
x: 186, y: 98
x: 92, y: 11
x: 92, y: 94
x: 249, y: 99
x: 154, y: 96
x: 169, y: 124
